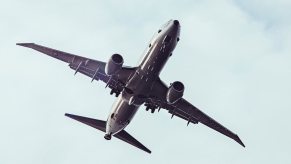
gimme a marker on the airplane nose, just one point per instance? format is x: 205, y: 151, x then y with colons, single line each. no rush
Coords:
x: 176, y: 22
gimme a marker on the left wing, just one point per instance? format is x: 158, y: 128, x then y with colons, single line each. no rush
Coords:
x: 185, y: 110
x: 93, y: 68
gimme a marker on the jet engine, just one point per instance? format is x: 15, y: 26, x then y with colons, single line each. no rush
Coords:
x: 175, y: 92
x: 114, y: 64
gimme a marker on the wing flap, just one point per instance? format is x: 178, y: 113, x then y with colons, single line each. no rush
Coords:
x: 63, y: 56
x: 185, y: 110
x: 93, y: 68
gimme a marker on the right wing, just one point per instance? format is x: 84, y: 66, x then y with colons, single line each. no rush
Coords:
x: 185, y: 110
x: 93, y: 68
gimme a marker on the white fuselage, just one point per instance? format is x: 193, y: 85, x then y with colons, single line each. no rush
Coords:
x: 139, y: 84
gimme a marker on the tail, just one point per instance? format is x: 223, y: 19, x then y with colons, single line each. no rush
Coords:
x: 101, y: 125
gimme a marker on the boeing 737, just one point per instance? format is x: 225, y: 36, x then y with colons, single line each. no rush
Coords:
x: 137, y: 86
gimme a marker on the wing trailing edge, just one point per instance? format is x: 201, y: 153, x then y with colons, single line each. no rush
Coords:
x: 101, y: 125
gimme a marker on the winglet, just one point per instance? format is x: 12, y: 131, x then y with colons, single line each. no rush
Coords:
x: 24, y: 44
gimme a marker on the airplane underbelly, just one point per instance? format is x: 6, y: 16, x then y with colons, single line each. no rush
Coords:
x: 125, y: 112
x: 122, y: 114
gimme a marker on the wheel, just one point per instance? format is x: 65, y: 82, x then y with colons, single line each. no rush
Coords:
x: 111, y: 92
x: 117, y: 94
x: 147, y: 108
x: 107, y: 136
x: 153, y: 110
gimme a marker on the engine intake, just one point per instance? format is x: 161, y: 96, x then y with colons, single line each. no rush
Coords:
x: 175, y: 92
x: 114, y: 64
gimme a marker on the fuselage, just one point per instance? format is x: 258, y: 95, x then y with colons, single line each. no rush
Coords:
x: 139, y: 84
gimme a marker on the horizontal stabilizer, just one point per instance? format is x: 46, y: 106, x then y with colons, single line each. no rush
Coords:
x: 101, y: 125
x: 24, y: 44
x: 97, y: 124
x: 124, y: 136
x: 237, y: 139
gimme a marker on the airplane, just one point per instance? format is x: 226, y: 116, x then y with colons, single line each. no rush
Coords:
x: 137, y: 86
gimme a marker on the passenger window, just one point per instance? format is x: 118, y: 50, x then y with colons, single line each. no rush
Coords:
x: 159, y: 30
x: 112, y: 115
x: 150, y: 45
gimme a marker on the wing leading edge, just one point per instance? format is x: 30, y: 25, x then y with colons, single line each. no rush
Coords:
x: 187, y: 111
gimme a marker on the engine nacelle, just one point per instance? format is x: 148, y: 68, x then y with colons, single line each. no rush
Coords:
x: 175, y: 92
x: 114, y: 64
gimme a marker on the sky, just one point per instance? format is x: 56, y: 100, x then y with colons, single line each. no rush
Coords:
x: 233, y: 58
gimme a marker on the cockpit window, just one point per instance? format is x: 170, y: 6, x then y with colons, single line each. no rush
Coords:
x: 167, y: 39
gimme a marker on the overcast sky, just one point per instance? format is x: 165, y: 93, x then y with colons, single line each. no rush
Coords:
x: 233, y: 57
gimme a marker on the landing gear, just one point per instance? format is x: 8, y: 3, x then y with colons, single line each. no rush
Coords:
x: 151, y: 107
x: 111, y: 92
x: 117, y: 94
x: 147, y: 108
x: 114, y: 91
x: 107, y: 136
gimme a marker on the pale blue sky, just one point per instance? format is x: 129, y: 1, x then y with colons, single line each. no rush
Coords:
x: 233, y: 57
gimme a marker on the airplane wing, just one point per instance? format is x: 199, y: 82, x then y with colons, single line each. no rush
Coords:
x: 185, y: 110
x: 93, y: 68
